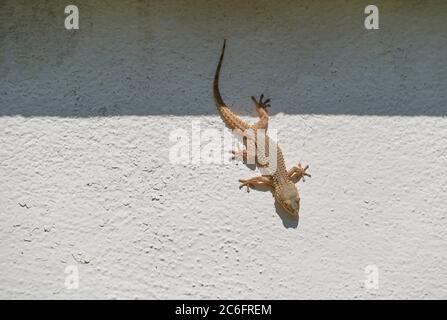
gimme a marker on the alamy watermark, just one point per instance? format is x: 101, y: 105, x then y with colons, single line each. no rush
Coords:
x: 214, y: 146
x: 72, y: 20
x: 372, y: 20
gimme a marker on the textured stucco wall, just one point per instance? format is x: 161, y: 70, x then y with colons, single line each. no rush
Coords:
x: 85, y: 177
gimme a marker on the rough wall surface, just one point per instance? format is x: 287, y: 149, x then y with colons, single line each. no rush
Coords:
x: 86, y: 179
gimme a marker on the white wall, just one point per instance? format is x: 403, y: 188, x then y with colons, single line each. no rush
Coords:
x: 85, y: 119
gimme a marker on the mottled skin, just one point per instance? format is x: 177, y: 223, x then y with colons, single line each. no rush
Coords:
x: 277, y: 177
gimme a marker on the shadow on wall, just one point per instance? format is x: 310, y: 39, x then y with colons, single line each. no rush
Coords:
x: 135, y: 57
x: 287, y: 220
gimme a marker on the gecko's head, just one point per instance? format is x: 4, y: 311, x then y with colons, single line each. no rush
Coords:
x: 289, y: 199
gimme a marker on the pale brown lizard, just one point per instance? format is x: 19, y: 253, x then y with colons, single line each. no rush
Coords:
x: 273, y: 169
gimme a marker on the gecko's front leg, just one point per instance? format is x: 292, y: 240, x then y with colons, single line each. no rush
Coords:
x: 297, y: 173
x: 263, y: 181
x: 246, y: 157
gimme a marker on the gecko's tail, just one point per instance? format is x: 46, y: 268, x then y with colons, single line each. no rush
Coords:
x: 230, y: 119
x: 217, y: 97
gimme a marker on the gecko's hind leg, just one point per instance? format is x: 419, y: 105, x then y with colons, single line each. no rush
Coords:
x: 261, y: 109
x: 243, y: 155
x: 263, y: 181
x: 297, y: 173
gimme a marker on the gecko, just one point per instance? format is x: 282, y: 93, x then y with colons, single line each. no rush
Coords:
x: 274, y: 174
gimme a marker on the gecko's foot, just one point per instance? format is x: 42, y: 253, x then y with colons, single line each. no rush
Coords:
x: 238, y: 154
x: 300, y: 173
x: 245, y: 183
x: 235, y: 154
x: 261, y: 103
